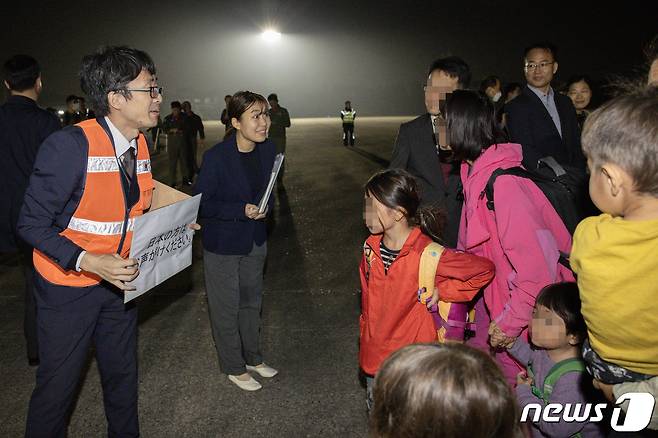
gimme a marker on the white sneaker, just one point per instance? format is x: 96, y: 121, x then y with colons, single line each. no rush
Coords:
x: 247, y: 385
x: 263, y: 370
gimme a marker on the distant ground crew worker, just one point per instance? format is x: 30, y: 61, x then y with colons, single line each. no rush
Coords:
x: 280, y: 121
x: 348, y: 115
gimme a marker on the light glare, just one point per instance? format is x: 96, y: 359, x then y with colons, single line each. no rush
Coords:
x: 271, y: 35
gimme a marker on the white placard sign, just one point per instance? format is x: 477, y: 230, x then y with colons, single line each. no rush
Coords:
x: 162, y: 244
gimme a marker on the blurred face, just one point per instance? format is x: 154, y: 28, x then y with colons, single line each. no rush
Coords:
x: 494, y: 91
x: 175, y: 111
x: 253, y: 123
x: 539, y: 68
x: 547, y: 330
x: 580, y: 94
x: 139, y: 110
x: 187, y: 107
x: 377, y: 216
x: 439, y: 84
x: 274, y: 104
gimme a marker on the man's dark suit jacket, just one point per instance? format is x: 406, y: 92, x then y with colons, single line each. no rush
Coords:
x: 530, y: 125
x: 416, y: 152
x: 23, y: 127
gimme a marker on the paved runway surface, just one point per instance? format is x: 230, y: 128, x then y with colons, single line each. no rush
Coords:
x: 310, y: 313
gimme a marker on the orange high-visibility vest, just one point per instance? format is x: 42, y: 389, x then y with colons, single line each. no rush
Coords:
x: 100, y: 223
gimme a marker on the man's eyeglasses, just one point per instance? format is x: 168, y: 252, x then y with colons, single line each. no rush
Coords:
x: 153, y: 91
x: 535, y: 66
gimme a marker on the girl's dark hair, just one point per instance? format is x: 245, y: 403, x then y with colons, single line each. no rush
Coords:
x: 398, y: 189
x: 471, y: 124
x: 564, y: 300
x: 239, y: 103
x: 442, y: 390
x: 111, y: 69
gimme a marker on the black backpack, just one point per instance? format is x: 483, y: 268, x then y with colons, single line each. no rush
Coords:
x: 565, y: 188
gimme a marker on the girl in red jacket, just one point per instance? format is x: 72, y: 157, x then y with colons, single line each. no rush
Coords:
x: 391, y: 314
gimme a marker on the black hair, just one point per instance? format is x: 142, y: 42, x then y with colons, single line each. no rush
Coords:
x: 508, y: 88
x: 175, y: 104
x: 21, y: 72
x: 454, y: 67
x: 489, y: 81
x: 239, y: 103
x: 71, y: 98
x: 111, y: 68
x: 398, y: 189
x: 273, y: 96
x: 545, y: 45
x: 564, y: 300
x: 471, y: 124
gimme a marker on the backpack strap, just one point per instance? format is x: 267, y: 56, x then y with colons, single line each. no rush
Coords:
x: 488, y: 192
x: 573, y: 365
x: 429, y: 262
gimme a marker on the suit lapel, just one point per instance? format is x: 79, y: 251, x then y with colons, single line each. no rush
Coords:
x: 547, y: 117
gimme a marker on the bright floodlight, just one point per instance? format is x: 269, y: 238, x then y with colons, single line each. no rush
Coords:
x: 271, y: 36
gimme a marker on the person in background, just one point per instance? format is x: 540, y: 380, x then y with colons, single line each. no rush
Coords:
x: 89, y: 182
x: 416, y: 146
x: 651, y: 52
x: 73, y: 113
x: 442, y: 391
x: 233, y: 178
x: 580, y: 92
x: 224, y: 118
x: 492, y: 87
x: 280, y: 120
x: 348, y: 115
x: 23, y: 127
x: 174, y: 127
x: 193, y: 128
x: 511, y: 91
x: 542, y: 121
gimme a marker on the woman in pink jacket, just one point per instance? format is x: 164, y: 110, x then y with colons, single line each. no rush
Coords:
x: 523, y: 236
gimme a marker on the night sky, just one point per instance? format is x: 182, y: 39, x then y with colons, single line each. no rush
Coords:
x: 373, y: 53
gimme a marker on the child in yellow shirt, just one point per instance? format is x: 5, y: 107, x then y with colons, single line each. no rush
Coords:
x: 615, y: 255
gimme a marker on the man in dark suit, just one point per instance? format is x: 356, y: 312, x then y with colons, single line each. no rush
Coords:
x: 416, y: 147
x: 540, y: 119
x: 23, y: 126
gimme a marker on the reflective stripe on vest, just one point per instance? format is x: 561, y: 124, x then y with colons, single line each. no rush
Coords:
x: 99, y: 222
x: 348, y: 116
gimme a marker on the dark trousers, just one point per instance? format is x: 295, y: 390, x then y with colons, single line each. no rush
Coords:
x: 69, y: 320
x: 190, y: 157
x: 348, y: 133
x: 176, y: 150
x: 234, y: 286
x: 30, y: 314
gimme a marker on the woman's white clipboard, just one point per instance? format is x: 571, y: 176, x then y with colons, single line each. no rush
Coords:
x: 262, y: 205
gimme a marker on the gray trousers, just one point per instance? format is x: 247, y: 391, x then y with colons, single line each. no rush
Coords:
x: 234, y: 286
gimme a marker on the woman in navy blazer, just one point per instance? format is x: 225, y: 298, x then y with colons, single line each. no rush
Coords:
x: 233, y: 177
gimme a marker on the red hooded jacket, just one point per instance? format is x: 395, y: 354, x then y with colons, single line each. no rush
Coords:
x: 391, y: 316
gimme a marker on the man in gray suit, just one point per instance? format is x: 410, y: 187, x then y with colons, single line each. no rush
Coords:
x: 416, y: 147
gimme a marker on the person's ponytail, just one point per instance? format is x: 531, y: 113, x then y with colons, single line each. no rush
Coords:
x: 431, y: 221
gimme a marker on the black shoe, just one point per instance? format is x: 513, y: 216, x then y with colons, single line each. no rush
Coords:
x: 33, y: 361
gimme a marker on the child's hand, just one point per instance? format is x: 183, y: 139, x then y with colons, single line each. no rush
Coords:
x: 523, y: 379
x: 434, y: 299
x: 498, y: 338
x: 605, y: 388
